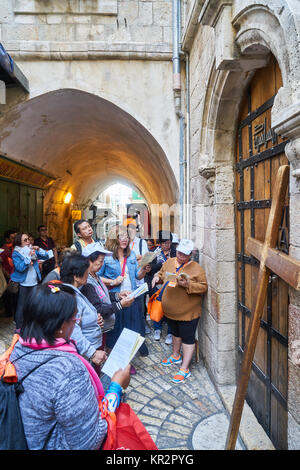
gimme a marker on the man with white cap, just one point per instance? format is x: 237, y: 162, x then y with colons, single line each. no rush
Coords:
x: 184, y: 283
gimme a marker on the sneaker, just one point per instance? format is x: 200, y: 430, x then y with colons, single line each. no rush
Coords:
x: 157, y: 334
x: 147, y: 330
x: 181, y: 376
x: 171, y: 360
x: 168, y: 339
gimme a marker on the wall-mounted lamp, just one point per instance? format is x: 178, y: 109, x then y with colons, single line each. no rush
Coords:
x: 67, y: 198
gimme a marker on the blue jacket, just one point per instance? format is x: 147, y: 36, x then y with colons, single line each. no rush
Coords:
x: 111, y: 269
x: 21, y: 265
x: 87, y: 334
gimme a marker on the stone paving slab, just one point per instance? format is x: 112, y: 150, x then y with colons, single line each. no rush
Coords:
x: 173, y: 413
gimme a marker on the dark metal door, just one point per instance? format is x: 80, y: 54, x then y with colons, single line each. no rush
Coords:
x: 21, y: 207
x: 259, y: 154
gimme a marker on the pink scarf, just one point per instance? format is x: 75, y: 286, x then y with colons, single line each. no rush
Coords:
x: 61, y: 345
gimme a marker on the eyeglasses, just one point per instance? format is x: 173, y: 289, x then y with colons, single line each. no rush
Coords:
x: 77, y: 319
x: 25, y: 239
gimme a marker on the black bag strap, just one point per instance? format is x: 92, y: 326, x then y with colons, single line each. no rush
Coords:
x: 78, y: 247
x: 35, y: 368
x: 20, y: 389
x: 141, y: 245
x: 26, y: 354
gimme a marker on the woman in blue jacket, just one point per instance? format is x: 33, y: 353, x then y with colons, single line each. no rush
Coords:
x: 26, y: 270
x: 120, y: 273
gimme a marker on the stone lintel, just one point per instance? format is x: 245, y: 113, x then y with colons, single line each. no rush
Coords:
x: 228, y: 55
x: 50, y: 50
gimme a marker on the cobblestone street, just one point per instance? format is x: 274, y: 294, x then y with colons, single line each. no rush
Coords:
x: 175, y: 415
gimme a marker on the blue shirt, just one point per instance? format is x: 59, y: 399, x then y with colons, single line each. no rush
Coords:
x: 111, y: 269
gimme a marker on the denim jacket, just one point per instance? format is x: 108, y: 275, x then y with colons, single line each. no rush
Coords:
x: 21, y: 265
x: 111, y: 269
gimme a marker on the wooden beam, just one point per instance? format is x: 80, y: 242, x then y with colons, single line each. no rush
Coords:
x: 279, y: 263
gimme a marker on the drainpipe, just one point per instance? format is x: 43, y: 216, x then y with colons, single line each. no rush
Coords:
x: 180, y: 115
x: 187, y: 75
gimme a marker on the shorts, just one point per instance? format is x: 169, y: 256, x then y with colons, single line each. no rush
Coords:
x: 186, y: 330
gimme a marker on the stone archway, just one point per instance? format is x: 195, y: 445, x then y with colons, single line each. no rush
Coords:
x: 87, y: 142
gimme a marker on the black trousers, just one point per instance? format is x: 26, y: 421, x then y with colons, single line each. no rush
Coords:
x: 23, y: 296
x: 10, y: 301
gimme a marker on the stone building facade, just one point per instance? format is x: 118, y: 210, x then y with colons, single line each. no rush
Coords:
x: 103, y: 56
x: 226, y: 43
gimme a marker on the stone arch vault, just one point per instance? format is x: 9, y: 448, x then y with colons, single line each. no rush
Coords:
x: 86, y: 142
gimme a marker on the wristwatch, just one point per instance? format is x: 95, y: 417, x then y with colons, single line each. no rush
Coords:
x: 91, y: 358
x: 112, y: 283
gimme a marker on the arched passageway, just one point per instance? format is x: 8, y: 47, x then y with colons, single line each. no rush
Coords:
x: 87, y: 143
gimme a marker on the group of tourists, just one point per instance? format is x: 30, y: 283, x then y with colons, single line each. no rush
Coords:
x: 78, y: 302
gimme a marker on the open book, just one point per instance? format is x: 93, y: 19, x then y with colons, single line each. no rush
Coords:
x: 127, y: 345
x: 148, y: 257
x: 139, y: 291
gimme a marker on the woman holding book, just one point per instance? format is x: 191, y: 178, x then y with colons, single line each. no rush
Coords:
x: 60, y: 401
x: 120, y: 272
x: 184, y: 283
x: 87, y: 333
x: 26, y: 270
x: 108, y: 304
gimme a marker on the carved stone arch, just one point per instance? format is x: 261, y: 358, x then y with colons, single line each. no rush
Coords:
x: 265, y: 27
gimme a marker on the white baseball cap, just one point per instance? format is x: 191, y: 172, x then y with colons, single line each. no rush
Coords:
x: 185, y: 246
x: 92, y: 247
x: 175, y: 238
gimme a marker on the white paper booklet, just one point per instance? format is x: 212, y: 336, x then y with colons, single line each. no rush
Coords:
x: 139, y: 291
x: 127, y: 345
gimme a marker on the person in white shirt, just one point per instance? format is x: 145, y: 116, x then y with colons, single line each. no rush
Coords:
x: 139, y: 247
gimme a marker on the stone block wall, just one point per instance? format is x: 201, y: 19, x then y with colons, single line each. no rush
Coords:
x: 294, y: 325
x: 212, y: 222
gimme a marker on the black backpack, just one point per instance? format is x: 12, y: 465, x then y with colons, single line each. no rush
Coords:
x: 78, y: 247
x: 12, y: 435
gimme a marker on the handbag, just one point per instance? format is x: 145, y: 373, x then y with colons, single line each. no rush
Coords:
x: 13, y: 287
x: 3, y: 283
x: 154, y: 307
x: 125, y: 431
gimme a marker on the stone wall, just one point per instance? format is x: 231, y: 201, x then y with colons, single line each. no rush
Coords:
x: 212, y: 221
x: 226, y: 42
x: 86, y: 27
x: 119, y: 50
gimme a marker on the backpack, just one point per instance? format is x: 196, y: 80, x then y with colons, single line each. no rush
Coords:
x: 78, y: 247
x: 12, y: 435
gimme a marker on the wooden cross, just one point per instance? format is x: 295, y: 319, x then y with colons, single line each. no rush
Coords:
x: 270, y: 260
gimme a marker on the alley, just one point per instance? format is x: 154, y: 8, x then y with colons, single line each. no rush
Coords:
x: 194, y: 108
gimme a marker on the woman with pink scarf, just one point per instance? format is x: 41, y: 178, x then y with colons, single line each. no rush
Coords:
x: 60, y: 401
